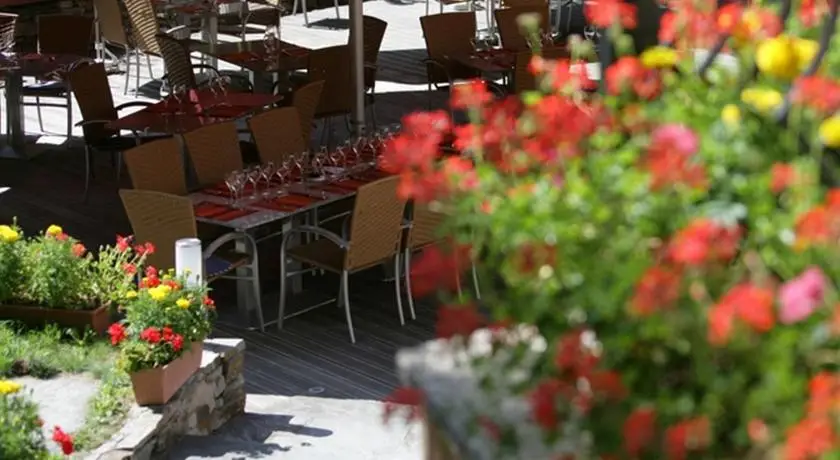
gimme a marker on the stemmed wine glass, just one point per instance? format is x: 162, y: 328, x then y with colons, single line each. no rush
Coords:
x: 282, y: 173
x: 266, y: 174
x: 254, y: 174
x: 299, y: 160
x: 234, y: 182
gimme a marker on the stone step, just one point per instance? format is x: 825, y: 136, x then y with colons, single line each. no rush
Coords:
x: 306, y: 428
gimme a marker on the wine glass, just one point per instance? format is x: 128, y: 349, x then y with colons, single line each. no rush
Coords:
x: 253, y: 175
x: 282, y: 173
x: 299, y: 160
x: 266, y: 174
x: 232, y: 181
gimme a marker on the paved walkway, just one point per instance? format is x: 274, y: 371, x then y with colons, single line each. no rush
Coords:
x: 307, y: 428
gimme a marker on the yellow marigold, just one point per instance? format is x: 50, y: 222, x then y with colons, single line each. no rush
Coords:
x: 784, y: 56
x: 830, y: 132
x: 762, y: 99
x: 731, y: 115
x: 131, y: 295
x: 8, y: 387
x: 182, y: 303
x: 159, y: 293
x: 659, y: 57
x: 8, y: 234
x: 54, y: 230
x: 806, y: 51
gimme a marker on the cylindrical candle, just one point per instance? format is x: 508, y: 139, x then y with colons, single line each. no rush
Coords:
x: 189, y: 261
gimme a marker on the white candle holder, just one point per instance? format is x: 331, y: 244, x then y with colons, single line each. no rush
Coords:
x: 189, y: 260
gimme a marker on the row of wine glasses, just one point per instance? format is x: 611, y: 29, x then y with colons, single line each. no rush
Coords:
x: 219, y: 84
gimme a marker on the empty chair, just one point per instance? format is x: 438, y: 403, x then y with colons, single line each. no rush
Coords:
x: 277, y: 134
x: 511, y: 33
x: 373, y: 32
x: 306, y: 100
x: 8, y: 22
x: 448, y: 34
x: 214, y: 152
x: 180, y: 69
x: 306, y: 15
x: 144, y: 27
x: 59, y: 34
x: 163, y: 219
x: 332, y: 66
x: 375, y: 234
x: 157, y: 166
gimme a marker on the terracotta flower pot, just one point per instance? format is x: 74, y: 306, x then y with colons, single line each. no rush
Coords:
x: 156, y: 386
x: 97, y: 319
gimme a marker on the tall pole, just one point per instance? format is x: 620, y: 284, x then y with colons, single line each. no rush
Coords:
x: 358, y: 51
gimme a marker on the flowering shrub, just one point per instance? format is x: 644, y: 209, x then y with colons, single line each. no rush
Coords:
x: 54, y: 270
x: 162, y: 319
x: 21, y: 434
x: 673, y: 238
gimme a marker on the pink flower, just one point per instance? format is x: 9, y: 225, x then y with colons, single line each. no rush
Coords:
x: 802, y: 295
x: 678, y: 137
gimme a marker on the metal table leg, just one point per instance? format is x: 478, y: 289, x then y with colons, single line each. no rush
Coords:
x: 245, y: 302
x: 16, y: 136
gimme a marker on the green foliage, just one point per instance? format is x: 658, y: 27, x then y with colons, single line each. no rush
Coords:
x: 20, y: 429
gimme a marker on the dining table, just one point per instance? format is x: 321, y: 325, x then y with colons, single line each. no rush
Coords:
x: 13, y: 68
x: 207, y: 10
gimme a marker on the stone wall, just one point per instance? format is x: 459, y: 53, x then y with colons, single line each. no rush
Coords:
x: 211, y: 397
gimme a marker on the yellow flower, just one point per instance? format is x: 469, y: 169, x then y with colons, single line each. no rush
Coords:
x: 659, y: 57
x: 131, y: 295
x: 731, y: 115
x: 8, y: 234
x: 784, y: 56
x: 8, y: 387
x: 762, y: 99
x: 54, y: 230
x: 183, y: 303
x: 830, y: 132
x: 159, y: 293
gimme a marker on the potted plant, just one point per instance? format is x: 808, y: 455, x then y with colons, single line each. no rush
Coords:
x: 53, y: 278
x: 21, y: 430
x: 670, y: 244
x: 161, y: 337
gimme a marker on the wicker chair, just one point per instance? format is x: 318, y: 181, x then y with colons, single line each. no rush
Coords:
x: 180, y: 69
x: 8, y: 23
x: 302, y: 3
x: 163, y: 219
x: 89, y: 84
x: 373, y: 32
x: 111, y: 30
x: 375, y: 233
x: 214, y: 151
x: 423, y: 232
x: 59, y: 34
x: 332, y: 66
x: 265, y: 13
x: 157, y: 166
x: 448, y: 34
x: 507, y: 21
x: 306, y: 100
x: 277, y: 134
x: 523, y: 79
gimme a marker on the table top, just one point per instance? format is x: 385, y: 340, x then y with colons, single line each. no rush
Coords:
x: 172, y: 118
x: 38, y: 64
x: 495, y: 60
x: 189, y: 6
x: 252, y: 55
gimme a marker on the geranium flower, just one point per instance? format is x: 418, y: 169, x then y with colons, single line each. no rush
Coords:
x: 79, y: 249
x: 145, y: 249
x: 658, y: 289
x: 404, y: 397
x: 209, y: 303
x: 639, y: 430
x: 177, y: 342
x: 436, y: 268
x: 810, y: 438
x: 457, y: 320
x: 801, y: 296
x: 747, y: 302
x: 543, y: 400
x: 151, y: 335
x: 123, y: 243
x: 117, y: 333
x: 689, y: 435
x: 782, y: 176
x: 605, y: 13
x: 64, y: 440
x: 670, y: 158
x: 470, y: 94
x: 703, y: 241
x: 818, y: 93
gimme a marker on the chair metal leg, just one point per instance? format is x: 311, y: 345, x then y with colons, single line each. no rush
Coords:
x: 337, y: 13
x: 88, y: 171
x: 346, y: 293
x: 127, y: 70
x: 257, y: 293
x: 305, y: 13
x: 427, y: 7
x: 137, y: 74
x: 149, y: 65
x: 397, y: 282
x: 40, y: 118
x: 281, y: 310
x: 407, y: 274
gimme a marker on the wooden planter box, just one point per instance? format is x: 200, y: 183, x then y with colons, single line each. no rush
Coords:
x: 97, y: 319
x: 157, y: 386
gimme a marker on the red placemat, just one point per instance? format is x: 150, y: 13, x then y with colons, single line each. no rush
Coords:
x: 223, y: 190
x: 243, y: 56
x: 220, y: 212
x: 350, y: 184
x: 226, y: 111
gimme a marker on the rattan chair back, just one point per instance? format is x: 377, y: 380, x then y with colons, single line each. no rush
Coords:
x: 8, y: 23
x: 89, y: 82
x: 507, y: 20
x: 277, y: 134
x: 306, y: 100
x: 157, y: 166
x: 65, y: 34
x: 110, y: 19
x: 425, y: 224
x: 144, y: 25
x: 447, y: 34
x: 176, y: 58
x: 523, y: 79
x: 373, y: 32
x: 160, y: 219
x: 376, y: 224
x: 214, y: 151
x: 332, y: 66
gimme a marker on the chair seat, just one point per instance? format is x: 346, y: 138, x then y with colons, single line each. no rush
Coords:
x: 221, y: 264
x: 322, y: 253
x: 45, y: 89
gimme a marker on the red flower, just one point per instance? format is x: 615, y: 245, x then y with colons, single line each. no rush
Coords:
x: 469, y: 95
x: 689, y: 435
x: 605, y: 13
x: 811, y: 11
x: 757, y: 431
x: 658, y: 289
x: 79, y: 249
x: 167, y: 334
x: 809, y: 439
x: 209, y: 303
x: 781, y: 177
x: 145, y: 249
x: 543, y: 401
x: 63, y: 439
x: 704, y: 241
x: 177, y: 342
x: 823, y: 394
x: 151, y: 335
x: 671, y: 160
x: 402, y: 397
x: 123, y: 243
x: 458, y: 320
x: 607, y: 384
x: 623, y: 73
x: 639, y: 430
x: 747, y: 302
x: 129, y: 269
x: 117, y: 333
x: 571, y: 357
x: 437, y: 268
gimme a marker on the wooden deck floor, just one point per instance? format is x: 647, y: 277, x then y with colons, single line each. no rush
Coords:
x: 312, y: 355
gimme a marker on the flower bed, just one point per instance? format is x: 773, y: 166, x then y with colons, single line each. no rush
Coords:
x: 20, y: 427
x: 672, y: 240
x: 52, y: 278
